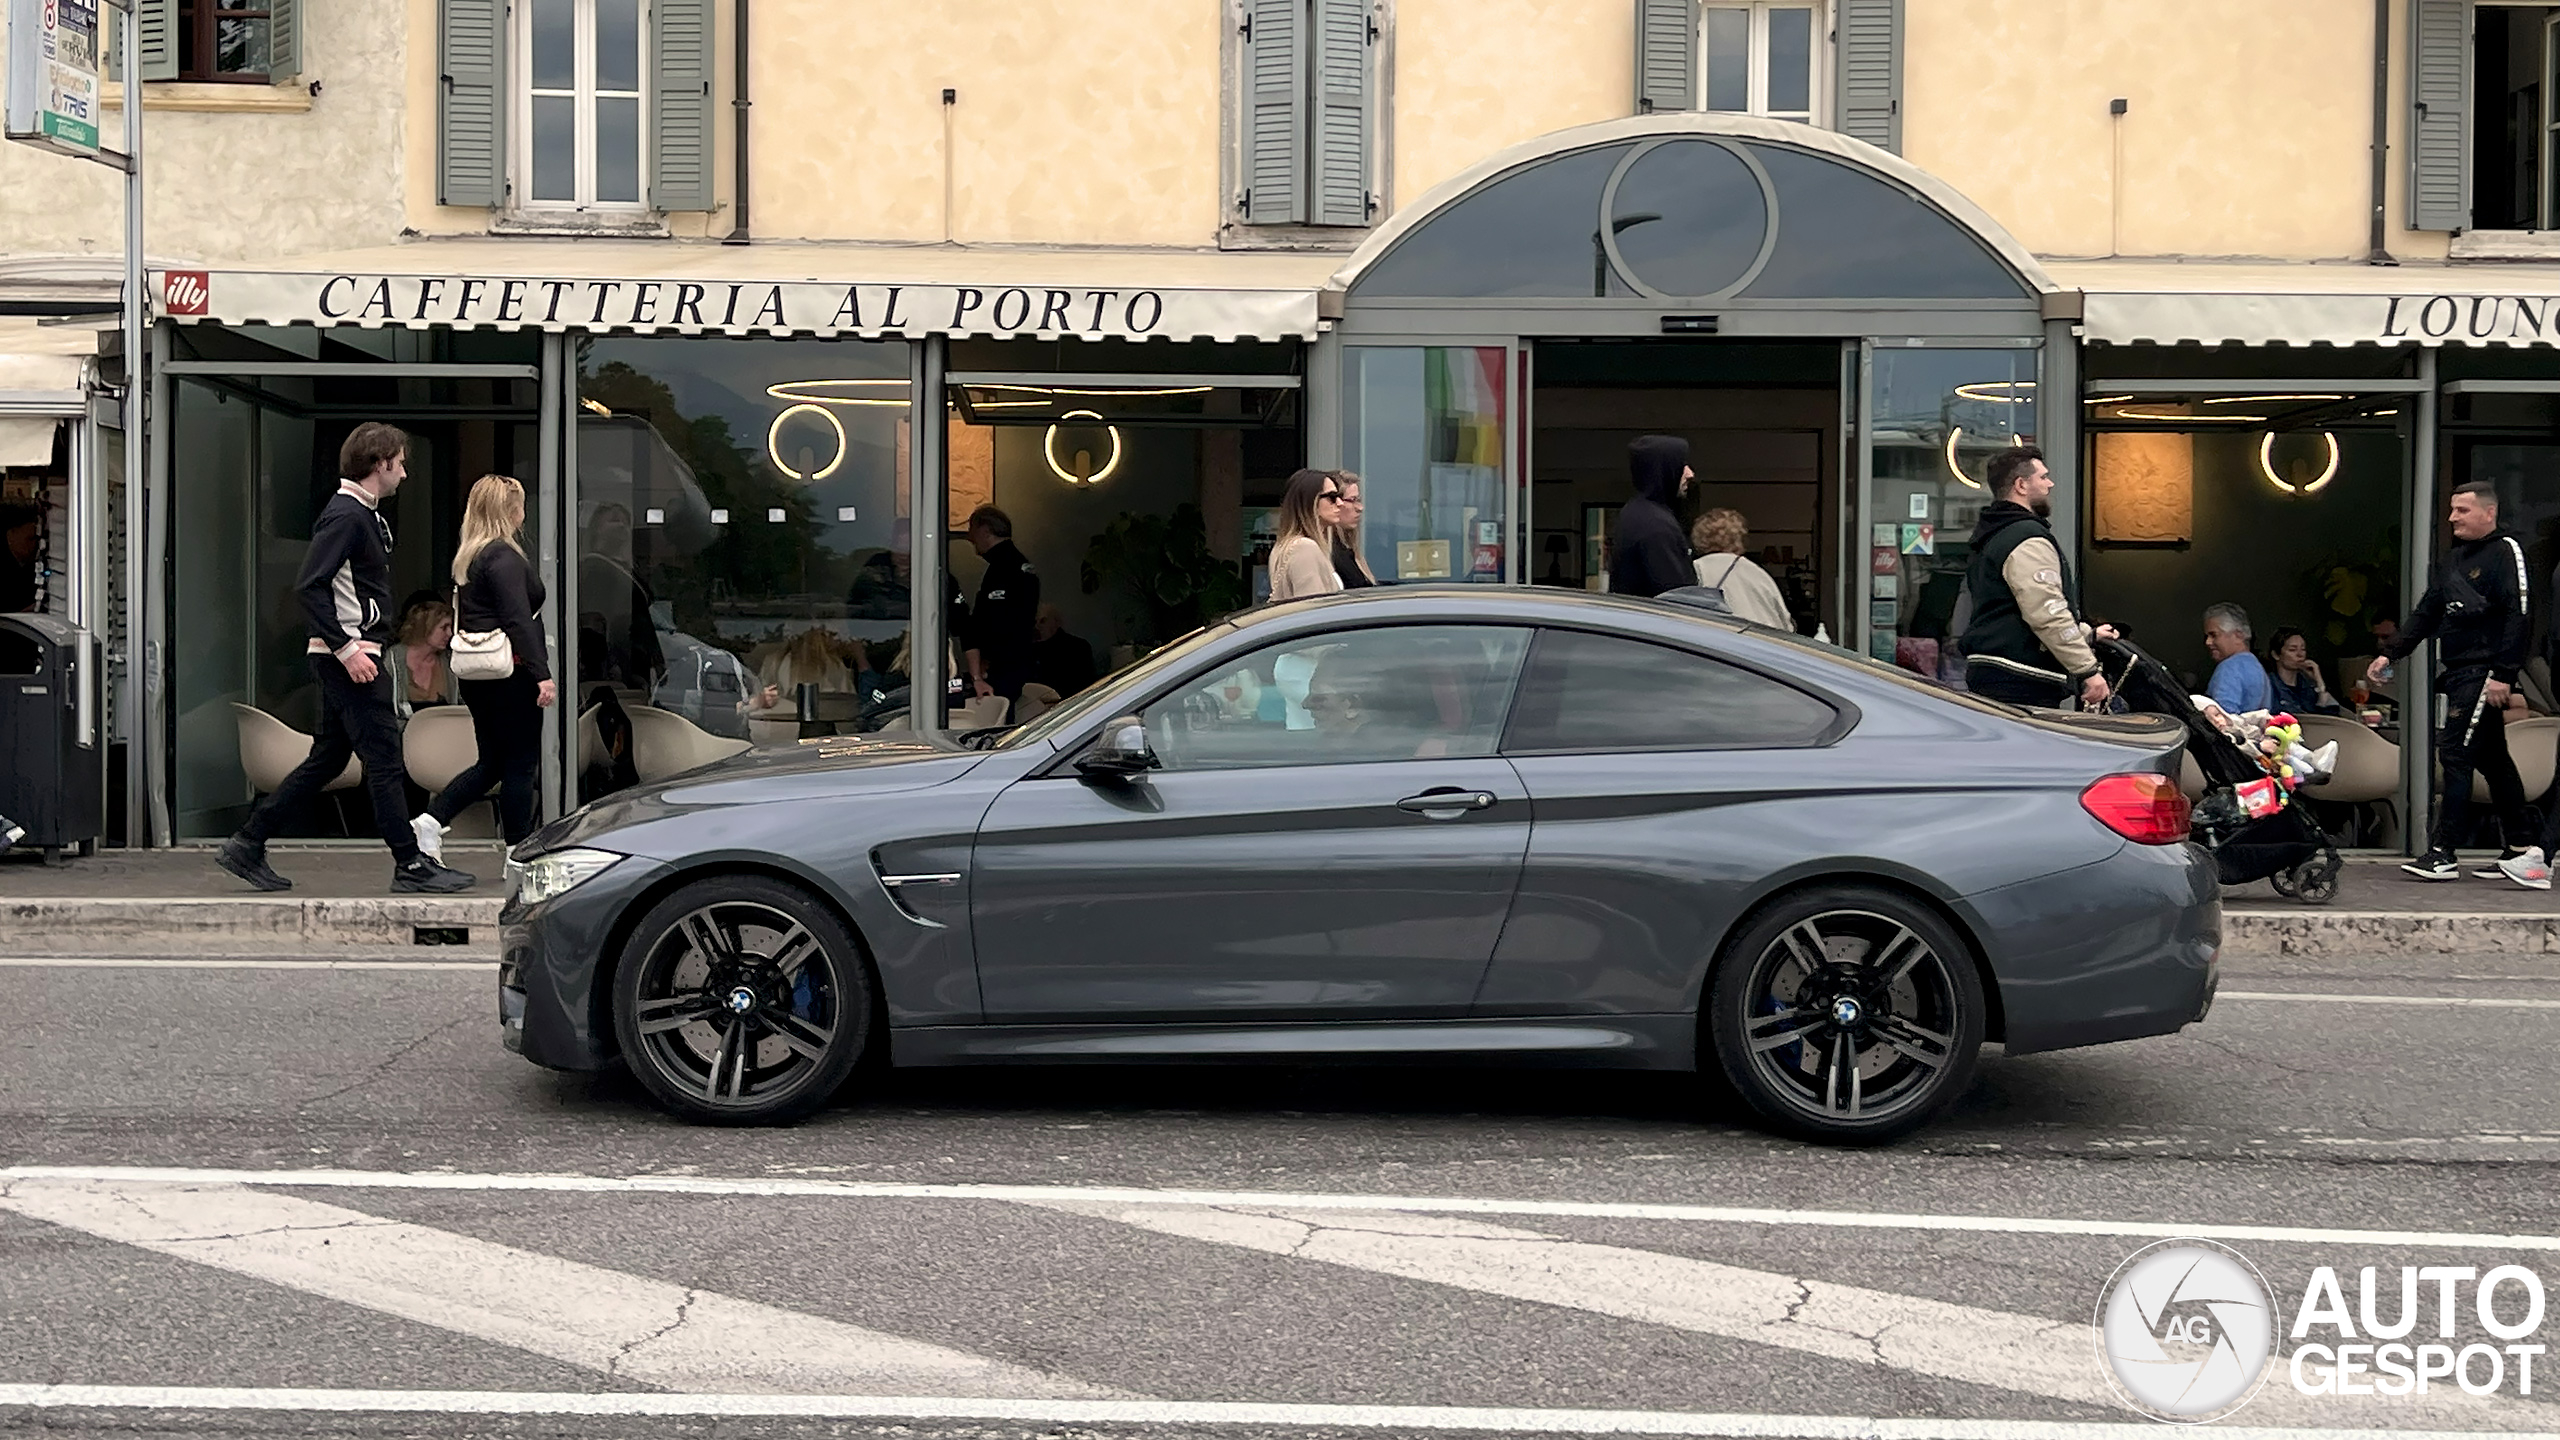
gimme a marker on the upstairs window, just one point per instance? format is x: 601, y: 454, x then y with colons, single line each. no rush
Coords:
x: 1834, y: 63
x: 1762, y: 59
x: 237, y: 42
x: 1308, y: 85
x: 580, y: 102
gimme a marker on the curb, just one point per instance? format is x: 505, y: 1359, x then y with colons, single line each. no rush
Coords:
x: 399, y: 920
x: 2339, y: 934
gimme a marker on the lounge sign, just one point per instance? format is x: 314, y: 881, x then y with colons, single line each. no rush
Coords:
x: 734, y: 307
x: 2447, y: 318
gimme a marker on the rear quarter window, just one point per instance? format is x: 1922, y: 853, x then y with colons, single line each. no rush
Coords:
x: 1584, y: 692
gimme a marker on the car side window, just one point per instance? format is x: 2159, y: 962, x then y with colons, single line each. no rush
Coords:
x: 1345, y: 697
x: 1588, y: 692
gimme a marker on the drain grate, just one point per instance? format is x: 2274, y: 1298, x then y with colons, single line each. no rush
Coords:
x: 440, y: 934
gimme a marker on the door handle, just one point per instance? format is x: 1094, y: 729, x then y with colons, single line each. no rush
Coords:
x: 1446, y: 804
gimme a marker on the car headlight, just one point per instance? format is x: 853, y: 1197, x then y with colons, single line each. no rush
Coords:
x: 544, y: 877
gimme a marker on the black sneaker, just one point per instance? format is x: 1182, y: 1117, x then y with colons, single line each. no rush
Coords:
x: 422, y: 876
x: 249, y: 862
x: 2493, y: 869
x: 2434, y: 865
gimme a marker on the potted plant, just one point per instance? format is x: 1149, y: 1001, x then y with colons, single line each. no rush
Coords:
x: 1167, y: 579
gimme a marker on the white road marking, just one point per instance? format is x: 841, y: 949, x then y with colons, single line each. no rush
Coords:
x: 1411, y: 1204
x: 1132, y: 1412
x: 623, y: 1325
x: 2454, y: 1001
x: 2028, y: 1354
x: 153, y: 962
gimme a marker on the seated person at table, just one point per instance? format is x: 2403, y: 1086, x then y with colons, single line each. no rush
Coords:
x: 2294, y: 677
x: 810, y: 659
x: 418, y: 661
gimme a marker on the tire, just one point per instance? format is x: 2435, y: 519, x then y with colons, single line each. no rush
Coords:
x: 741, y: 1000
x: 1801, y: 979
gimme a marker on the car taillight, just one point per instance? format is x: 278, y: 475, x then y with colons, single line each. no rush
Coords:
x: 2146, y: 809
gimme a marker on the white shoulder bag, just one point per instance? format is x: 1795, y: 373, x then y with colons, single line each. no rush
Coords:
x: 479, y: 654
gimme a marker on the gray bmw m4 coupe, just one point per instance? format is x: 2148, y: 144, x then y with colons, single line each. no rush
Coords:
x: 1493, y: 825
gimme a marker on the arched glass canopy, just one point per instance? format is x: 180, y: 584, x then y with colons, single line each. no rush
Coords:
x: 1694, y: 209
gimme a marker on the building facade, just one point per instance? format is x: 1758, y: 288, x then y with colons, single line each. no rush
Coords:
x: 693, y: 269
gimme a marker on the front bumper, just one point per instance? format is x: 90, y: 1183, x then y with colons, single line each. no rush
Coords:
x: 555, y: 1006
x: 2128, y: 947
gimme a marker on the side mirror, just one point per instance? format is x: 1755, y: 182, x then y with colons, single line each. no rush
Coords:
x: 1120, y: 752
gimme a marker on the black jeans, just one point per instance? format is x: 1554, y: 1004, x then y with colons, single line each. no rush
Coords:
x: 506, y: 722
x: 354, y: 719
x: 1998, y: 682
x: 2474, y: 740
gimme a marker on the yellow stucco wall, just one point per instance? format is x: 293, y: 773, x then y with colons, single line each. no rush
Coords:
x: 1474, y: 76
x: 1093, y: 122
x: 2248, y: 131
x: 233, y: 186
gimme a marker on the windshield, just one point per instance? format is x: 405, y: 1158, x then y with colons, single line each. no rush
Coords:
x: 1104, y: 693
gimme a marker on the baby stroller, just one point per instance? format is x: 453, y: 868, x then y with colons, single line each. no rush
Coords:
x: 2288, y: 848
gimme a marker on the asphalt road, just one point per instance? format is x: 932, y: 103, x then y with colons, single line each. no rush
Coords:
x: 1001, y: 1254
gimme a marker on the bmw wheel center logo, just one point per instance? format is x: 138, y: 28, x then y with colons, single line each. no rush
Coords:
x: 2187, y: 1330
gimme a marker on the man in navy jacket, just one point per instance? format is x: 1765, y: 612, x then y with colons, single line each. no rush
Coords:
x: 345, y: 589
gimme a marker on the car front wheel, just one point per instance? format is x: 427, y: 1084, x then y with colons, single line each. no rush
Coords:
x: 741, y: 1000
x: 1847, y: 1015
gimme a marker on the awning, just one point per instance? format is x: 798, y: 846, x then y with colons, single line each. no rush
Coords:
x: 769, y: 289
x: 40, y: 373
x: 2130, y: 302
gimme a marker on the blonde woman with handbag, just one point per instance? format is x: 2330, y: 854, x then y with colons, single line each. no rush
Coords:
x: 1310, y: 514
x: 500, y: 664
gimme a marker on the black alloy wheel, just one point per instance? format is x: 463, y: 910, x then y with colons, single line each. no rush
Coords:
x: 742, y: 1001
x: 1847, y: 1015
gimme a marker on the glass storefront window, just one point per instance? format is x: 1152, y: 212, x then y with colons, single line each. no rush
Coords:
x: 1938, y: 417
x: 1423, y: 428
x: 742, y: 530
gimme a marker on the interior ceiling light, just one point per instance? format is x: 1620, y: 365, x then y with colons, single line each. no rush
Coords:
x: 2007, y: 392
x: 2107, y: 400
x: 2179, y: 416
x: 773, y: 442
x: 838, y: 392
x: 2267, y: 466
x: 2268, y: 399
x: 1955, y: 434
x: 1049, y: 451
x: 598, y: 406
x: 1070, y: 390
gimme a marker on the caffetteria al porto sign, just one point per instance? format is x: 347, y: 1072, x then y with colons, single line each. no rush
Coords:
x: 687, y: 306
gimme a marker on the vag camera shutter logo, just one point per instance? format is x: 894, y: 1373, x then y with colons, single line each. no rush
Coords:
x: 2187, y: 1331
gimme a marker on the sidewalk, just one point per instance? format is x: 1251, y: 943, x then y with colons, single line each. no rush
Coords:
x: 159, y: 900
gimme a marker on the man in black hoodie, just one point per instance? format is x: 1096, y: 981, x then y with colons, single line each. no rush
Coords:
x: 2479, y: 612
x: 1650, y: 551
x: 2026, y: 643
x: 346, y: 604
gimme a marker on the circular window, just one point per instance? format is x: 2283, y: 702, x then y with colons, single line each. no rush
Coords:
x: 1688, y: 219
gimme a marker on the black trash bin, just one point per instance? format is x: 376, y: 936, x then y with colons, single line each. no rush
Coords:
x: 50, y: 764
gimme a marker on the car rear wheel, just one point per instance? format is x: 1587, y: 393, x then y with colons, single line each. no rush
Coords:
x: 1847, y: 1015
x: 742, y: 1001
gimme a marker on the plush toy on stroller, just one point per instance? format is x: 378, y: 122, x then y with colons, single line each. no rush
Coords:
x: 2251, y: 817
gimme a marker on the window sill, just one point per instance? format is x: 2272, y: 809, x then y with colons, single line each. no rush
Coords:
x: 2505, y: 245
x: 621, y: 225
x: 291, y: 98
x: 1237, y: 236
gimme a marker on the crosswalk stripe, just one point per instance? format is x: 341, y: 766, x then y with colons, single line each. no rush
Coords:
x: 631, y: 1328
x: 1189, y: 1413
x: 2025, y: 1353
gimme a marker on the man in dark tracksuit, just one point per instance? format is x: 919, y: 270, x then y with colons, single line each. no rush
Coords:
x: 346, y: 601
x: 1003, y: 624
x: 2479, y: 611
x: 2025, y: 643
x: 1649, y: 549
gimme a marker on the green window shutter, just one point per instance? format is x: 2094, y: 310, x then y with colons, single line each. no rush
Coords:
x: 471, y: 102
x: 1666, y: 55
x: 1870, y: 69
x: 1345, y: 37
x: 1275, y: 112
x: 284, y: 39
x: 159, y: 39
x: 2439, y: 114
x: 680, y: 113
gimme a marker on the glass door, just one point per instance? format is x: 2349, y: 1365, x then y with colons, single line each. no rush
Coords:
x: 1428, y: 429
x: 2550, y: 119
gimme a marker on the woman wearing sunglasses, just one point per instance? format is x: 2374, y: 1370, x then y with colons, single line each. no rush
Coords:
x: 1310, y: 512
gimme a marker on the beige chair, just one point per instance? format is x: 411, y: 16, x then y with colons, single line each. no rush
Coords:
x: 664, y: 743
x: 437, y: 745
x: 2368, y: 765
x: 2535, y: 746
x: 897, y: 722
x: 981, y: 712
x: 1037, y: 700
x: 590, y: 739
x: 772, y: 732
x: 2190, y: 776
x: 270, y: 749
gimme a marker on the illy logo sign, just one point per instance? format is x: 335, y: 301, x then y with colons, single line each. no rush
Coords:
x: 187, y: 292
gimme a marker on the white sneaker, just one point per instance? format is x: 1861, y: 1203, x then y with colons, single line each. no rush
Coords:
x: 430, y: 837
x: 2529, y: 870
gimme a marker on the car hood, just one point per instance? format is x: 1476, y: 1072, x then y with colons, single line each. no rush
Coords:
x: 823, y: 768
